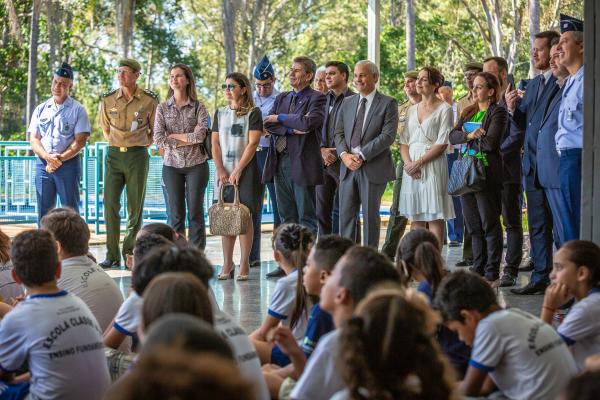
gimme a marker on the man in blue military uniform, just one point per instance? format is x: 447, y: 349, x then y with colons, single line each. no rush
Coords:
x: 58, y: 130
x: 264, y: 98
x: 569, y: 137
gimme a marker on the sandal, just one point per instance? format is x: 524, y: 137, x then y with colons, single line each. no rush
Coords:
x: 225, y: 276
x: 241, y: 278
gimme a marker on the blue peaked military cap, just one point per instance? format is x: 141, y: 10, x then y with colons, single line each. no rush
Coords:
x: 65, y: 71
x: 448, y: 83
x: 568, y: 23
x: 264, y: 69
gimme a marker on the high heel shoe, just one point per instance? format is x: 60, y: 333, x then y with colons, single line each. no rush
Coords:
x: 242, y: 277
x: 229, y: 275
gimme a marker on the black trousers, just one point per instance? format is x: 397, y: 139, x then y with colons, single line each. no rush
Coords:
x: 326, y: 202
x: 482, y: 216
x: 512, y: 197
x: 187, y: 186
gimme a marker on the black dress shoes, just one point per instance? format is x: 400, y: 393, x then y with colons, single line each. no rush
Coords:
x: 538, y: 287
x: 109, y: 264
x: 467, y: 262
x: 527, y: 267
x: 507, y: 280
x: 276, y: 273
x: 454, y: 243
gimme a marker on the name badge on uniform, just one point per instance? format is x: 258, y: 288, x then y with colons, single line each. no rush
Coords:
x: 134, y: 123
x: 113, y: 112
x: 569, y: 115
x: 66, y: 129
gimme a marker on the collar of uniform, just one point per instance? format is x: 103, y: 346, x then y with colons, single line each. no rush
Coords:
x: 66, y: 104
x: 171, y: 102
x: 579, y: 74
x: 137, y: 94
x: 256, y: 97
x: 77, y: 260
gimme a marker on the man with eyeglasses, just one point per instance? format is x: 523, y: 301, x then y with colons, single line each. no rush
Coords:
x: 58, y: 131
x: 126, y: 116
x: 264, y: 98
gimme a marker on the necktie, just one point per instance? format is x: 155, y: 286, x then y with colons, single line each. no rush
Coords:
x: 358, y: 124
x: 541, y: 88
x: 281, y: 142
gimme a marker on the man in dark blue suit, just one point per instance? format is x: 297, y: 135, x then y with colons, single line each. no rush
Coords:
x: 294, y: 157
x: 529, y: 115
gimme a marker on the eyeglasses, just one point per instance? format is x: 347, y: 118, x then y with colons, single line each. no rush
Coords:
x: 264, y: 85
x: 229, y: 87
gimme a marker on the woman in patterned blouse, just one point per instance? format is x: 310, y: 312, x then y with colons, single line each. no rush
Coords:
x: 180, y: 127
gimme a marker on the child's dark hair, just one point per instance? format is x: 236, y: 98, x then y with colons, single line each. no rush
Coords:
x: 176, y: 292
x: 463, y: 290
x: 584, y: 252
x: 4, y: 247
x: 364, y: 268
x: 584, y: 387
x: 170, y: 258
x: 35, y: 257
x: 386, y: 345
x: 293, y: 241
x: 329, y: 249
x: 69, y: 229
x: 419, y: 251
x: 146, y: 243
x: 161, y: 229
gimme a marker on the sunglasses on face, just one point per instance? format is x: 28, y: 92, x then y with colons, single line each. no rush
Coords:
x: 229, y: 87
x: 263, y: 85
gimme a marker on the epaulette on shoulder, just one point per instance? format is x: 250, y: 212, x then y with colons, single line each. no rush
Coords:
x: 109, y: 93
x: 151, y: 94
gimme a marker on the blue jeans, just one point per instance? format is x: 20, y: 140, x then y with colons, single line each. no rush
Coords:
x: 296, y: 203
x: 456, y: 227
x: 569, y: 173
x: 261, y: 156
x: 63, y: 182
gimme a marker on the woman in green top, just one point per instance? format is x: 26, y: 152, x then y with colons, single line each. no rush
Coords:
x: 482, y: 209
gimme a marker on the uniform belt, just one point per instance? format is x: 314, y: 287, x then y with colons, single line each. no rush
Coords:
x: 124, y: 149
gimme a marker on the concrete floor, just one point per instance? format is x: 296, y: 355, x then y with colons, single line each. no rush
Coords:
x: 248, y: 301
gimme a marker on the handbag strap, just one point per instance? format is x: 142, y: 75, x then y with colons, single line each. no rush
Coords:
x: 236, y: 197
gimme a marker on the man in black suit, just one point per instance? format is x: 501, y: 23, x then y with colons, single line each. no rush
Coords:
x: 336, y: 78
x: 365, y: 129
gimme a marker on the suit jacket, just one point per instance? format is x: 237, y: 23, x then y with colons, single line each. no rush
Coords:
x: 495, y: 124
x: 379, y: 131
x: 304, y: 150
x: 328, y: 131
x: 511, y: 148
x: 528, y: 115
x: 547, y: 159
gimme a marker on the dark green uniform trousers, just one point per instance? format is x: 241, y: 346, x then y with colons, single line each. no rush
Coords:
x: 124, y: 169
x: 397, y: 222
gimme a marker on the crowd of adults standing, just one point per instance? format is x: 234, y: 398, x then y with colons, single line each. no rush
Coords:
x: 324, y: 154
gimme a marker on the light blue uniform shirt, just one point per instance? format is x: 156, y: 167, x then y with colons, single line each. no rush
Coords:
x: 570, y: 114
x: 265, y: 104
x: 57, y: 124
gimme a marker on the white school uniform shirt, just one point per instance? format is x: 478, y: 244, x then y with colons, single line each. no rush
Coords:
x: 282, y: 305
x: 8, y: 287
x: 85, y: 279
x: 321, y: 377
x: 130, y: 314
x: 59, y: 338
x: 523, y: 355
x: 243, y: 351
x: 581, y: 328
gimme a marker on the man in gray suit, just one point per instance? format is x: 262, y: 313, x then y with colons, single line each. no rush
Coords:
x: 365, y: 130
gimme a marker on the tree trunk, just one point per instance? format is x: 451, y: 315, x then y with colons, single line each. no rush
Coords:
x: 13, y: 21
x: 53, y: 27
x: 534, y: 28
x: 125, y: 21
x: 410, y: 36
x: 228, y: 19
x: 252, y: 53
x: 33, y: 51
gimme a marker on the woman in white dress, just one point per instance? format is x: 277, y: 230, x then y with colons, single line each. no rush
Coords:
x: 424, y: 195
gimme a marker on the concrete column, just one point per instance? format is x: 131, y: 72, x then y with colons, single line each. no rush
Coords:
x: 374, y: 30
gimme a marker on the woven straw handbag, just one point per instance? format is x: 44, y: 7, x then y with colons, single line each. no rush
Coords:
x: 229, y: 219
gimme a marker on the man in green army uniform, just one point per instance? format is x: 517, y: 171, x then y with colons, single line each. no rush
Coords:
x: 471, y: 69
x: 397, y: 222
x: 126, y: 116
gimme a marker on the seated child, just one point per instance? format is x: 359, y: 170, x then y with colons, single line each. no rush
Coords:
x: 513, y: 351
x: 319, y: 264
x: 171, y: 259
x: 127, y: 318
x: 155, y: 228
x: 9, y: 289
x: 289, y: 303
x: 387, y: 350
x: 183, y: 359
x: 576, y: 273
x: 357, y: 272
x: 51, y: 331
x: 418, y: 257
x: 79, y: 274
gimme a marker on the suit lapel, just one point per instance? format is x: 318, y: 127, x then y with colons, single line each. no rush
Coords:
x: 543, y: 96
x: 376, y: 100
x: 350, y: 117
x: 554, y: 100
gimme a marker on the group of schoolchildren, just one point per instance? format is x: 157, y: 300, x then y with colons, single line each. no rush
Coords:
x: 344, y: 323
